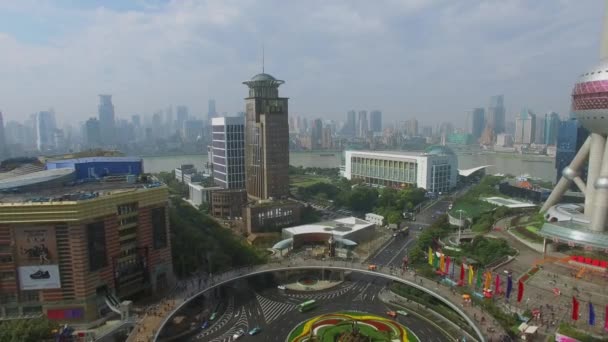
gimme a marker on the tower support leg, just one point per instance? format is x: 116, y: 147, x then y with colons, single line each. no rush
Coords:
x: 569, y: 173
x: 596, y: 152
x: 600, y: 198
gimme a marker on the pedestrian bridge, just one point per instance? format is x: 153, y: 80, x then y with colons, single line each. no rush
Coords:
x: 442, y: 293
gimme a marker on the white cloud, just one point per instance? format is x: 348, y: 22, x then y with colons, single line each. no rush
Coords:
x: 399, y: 56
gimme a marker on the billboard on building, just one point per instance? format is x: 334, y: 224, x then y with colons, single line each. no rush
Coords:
x: 37, y: 258
x: 39, y: 277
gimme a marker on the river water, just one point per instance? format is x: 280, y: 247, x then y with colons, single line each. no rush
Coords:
x: 535, y: 166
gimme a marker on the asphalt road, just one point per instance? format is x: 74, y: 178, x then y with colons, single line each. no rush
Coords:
x: 275, y: 311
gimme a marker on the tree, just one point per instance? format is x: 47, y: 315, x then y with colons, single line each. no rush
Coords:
x: 393, y: 217
x: 362, y: 199
x: 27, y: 330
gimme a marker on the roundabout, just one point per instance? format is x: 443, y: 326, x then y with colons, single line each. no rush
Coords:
x: 350, y: 326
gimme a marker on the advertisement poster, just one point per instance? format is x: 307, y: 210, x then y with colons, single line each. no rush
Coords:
x: 39, y: 277
x: 37, y: 258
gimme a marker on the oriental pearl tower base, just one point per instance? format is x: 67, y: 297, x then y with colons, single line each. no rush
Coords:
x: 577, y: 225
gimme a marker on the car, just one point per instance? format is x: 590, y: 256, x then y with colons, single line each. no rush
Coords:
x: 402, y: 313
x: 255, y: 331
x: 213, y: 315
x: 395, y: 235
x: 393, y: 314
x: 420, y: 228
x: 205, y: 325
x: 238, y: 334
x: 281, y: 287
x: 372, y: 267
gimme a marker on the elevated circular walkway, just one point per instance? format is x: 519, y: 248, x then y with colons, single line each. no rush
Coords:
x: 442, y: 293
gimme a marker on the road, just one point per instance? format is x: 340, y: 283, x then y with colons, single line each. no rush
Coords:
x: 275, y: 311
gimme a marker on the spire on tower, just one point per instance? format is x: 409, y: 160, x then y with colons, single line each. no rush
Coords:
x: 604, y: 37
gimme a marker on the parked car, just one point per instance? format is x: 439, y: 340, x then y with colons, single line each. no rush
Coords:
x: 402, y: 313
x: 281, y: 287
x: 372, y: 267
x: 393, y: 314
x: 205, y: 325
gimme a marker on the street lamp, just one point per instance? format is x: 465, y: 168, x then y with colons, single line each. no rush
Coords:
x: 460, y: 211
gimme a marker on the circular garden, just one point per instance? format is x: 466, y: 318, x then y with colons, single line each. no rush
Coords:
x: 350, y: 327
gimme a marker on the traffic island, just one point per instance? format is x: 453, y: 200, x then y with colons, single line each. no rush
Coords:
x: 350, y: 326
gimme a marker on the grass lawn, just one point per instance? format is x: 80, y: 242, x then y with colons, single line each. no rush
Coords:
x: 306, y: 180
x: 472, y: 208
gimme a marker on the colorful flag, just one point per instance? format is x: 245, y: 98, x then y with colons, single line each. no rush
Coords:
x: 435, y: 262
x: 488, y: 281
x: 479, y: 274
x: 497, y: 284
x: 509, y: 285
x: 462, y: 274
x: 520, y: 291
x: 471, y: 274
x: 447, y: 264
x: 430, y: 256
x: 442, y: 263
x: 591, y: 314
x: 574, y: 309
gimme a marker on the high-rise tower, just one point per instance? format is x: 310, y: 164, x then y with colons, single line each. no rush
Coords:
x: 106, y: 119
x: 266, y: 139
x: 590, y: 105
x: 495, y: 115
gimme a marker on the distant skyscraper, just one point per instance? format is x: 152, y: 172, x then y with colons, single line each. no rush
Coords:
x: 525, y: 127
x: 539, y: 133
x: 3, y: 147
x: 316, y: 134
x: 93, y: 133
x: 229, y: 152
x: 327, y: 140
x: 477, y: 123
x: 350, y: 127
x: 570, y: 137
x: 45, y: 127
x: 552, y: 122
x: 495, y: 115
x: 193, y: 130
x: 266, y: 139
x: 362, y: 124
x: 411, y: 127
x: 182, y: 116
x: 107, y: 123
x: 212, y: 113
x: 375, y: 118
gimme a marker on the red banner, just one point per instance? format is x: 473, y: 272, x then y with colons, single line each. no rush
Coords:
x: 497, y: 285
x: 606, y: 319
x: 520, y: 291
x: 574, y: 309
x: 462, y: 273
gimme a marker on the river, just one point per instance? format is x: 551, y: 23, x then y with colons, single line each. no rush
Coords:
x: 535, y: 166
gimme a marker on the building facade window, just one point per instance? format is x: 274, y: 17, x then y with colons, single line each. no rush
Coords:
x: 159, y: 228
x: 96, y: 245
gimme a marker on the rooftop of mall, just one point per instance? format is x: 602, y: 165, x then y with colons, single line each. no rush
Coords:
x: 42, y: 180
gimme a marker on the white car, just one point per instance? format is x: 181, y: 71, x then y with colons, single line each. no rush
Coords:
x: 281, y: 287
x: 238, y: 334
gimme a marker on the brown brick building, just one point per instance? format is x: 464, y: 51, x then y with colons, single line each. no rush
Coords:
x: 74, y: 257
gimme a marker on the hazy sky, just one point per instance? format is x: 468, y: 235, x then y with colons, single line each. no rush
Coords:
x: 430, y: 59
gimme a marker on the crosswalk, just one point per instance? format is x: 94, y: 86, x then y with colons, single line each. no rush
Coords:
x: 228, y: 314
x: 272, y: 309
x: 240, y: 324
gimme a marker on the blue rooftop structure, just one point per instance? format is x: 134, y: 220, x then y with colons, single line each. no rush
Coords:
x: 99, y: 167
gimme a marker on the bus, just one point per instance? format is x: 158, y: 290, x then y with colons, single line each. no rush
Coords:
x: 307, y: 305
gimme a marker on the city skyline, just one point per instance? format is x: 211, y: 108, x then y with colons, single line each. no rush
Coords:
x: 146, y: 68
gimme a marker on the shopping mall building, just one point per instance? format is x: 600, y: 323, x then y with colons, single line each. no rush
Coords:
x: 73, y: 248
